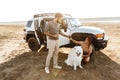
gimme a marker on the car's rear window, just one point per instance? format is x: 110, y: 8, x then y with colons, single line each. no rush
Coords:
x: 29, y: 23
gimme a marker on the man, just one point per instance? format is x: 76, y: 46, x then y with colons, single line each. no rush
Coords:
x: 52, y: 30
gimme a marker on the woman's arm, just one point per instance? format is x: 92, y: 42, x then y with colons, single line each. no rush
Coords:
x: 89, y: 52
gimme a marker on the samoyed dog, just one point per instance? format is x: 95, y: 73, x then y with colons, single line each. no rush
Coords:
x: 75, y: 57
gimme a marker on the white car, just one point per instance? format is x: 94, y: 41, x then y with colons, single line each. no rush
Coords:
x: 34, y: 32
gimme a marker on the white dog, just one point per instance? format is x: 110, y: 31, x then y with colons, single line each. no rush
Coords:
x: 75, y: 57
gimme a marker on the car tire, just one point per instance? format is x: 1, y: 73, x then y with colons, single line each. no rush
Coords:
x: 33, y: 44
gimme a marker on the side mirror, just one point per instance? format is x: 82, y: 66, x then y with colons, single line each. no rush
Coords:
x: 64, y: 25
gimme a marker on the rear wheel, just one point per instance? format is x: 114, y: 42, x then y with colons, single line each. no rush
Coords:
x: 33, y: 44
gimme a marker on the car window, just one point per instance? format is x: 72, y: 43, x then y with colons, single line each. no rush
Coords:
x: 75, y: 22
x: 29, y: 23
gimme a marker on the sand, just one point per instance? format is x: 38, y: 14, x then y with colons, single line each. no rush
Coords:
x: 18, y: 62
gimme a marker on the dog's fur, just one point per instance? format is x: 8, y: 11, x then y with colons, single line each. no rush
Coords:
x: 75, y: 57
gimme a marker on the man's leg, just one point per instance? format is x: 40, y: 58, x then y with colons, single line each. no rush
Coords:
x: 55, y: 56
x: 50, y: 54
x: 48, y: 42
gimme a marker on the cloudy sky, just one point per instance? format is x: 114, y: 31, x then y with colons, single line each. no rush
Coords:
x: 21, y: 10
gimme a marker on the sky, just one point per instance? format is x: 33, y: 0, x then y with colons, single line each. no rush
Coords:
x: 22, y: 10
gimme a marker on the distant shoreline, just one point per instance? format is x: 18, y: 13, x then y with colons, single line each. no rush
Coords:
x: 108, y: 20
x: 13, y: 23
x: 104, y: 20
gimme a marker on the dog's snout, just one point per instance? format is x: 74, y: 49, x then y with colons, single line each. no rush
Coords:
x: 78, y: 53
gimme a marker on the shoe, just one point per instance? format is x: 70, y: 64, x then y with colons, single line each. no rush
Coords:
x: 57, y: 67
x: 47, y: 70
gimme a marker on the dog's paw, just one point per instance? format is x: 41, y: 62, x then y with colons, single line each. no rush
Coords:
x: 80, y: 66
x: 75, y: 69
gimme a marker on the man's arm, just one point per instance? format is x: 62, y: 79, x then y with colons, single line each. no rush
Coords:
x: 51, y: 35
x: 77, y: 42
x: 61, y: 33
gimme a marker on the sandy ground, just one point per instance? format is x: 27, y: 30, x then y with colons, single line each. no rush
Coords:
x: 17, y: 62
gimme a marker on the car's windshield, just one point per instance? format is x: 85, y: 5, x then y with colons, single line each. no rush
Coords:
x: 29, y: 23
x: 74, y: 22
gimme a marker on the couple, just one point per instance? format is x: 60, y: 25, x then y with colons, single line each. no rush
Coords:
x: 52, y: 31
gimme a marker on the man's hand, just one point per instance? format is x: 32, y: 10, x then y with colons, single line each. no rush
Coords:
x: 70, y: 38
x: 56, y: 36
x: 52, y: 35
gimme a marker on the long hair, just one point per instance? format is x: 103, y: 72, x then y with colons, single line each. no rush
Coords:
x: 90, y: 39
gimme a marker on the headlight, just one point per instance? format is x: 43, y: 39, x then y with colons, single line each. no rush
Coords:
x: 100, y: 36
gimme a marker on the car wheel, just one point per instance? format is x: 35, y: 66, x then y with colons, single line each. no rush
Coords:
x: 33, y: 44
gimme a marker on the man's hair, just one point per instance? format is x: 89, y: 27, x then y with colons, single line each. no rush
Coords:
x: 58, y: 15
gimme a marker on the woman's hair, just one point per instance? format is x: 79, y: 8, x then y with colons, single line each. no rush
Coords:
x: 90, y: 39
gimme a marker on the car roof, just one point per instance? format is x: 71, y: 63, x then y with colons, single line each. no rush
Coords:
x: 51, y: 15
x: 47, y: 16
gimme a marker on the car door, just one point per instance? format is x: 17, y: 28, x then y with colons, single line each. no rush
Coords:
x: 38, y: 32
x: 63, y: 40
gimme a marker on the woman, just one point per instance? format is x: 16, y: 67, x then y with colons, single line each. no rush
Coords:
x: 87, y: 47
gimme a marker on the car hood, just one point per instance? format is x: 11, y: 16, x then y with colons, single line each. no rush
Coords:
x: 88, y: 29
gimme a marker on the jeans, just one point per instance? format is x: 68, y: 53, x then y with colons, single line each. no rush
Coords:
x: 53, y: 52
